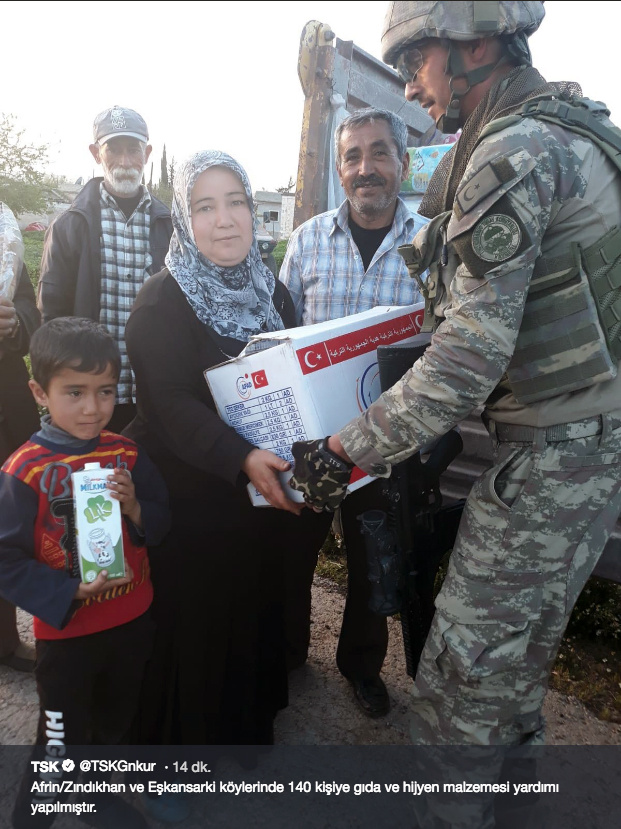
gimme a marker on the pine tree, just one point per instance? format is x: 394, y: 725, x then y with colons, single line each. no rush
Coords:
x: 164, y: 169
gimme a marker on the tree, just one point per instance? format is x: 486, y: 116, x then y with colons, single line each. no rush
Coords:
x: 22, y: 167
x: 288, y: 187
x: 164, y: 169
x: 164, y: 191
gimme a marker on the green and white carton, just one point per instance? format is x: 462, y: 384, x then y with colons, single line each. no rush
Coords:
x: 99, y: 525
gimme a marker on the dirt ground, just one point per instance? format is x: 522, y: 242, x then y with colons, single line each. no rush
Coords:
x: 321, y: 710
x: 321, y: 713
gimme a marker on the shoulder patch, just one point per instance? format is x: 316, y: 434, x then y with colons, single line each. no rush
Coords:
x: 496, y: 177
x: 480, y: 185
x: 496, y: 237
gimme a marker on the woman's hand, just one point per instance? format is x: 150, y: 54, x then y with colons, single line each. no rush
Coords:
x: 262, y: 467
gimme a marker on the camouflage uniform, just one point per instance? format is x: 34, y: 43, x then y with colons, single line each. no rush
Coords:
x: 535, y: 524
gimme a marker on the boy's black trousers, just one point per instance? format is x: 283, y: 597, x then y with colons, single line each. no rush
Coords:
x: 88, y: 689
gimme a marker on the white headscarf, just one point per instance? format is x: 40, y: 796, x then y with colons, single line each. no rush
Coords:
x: 234, y: 301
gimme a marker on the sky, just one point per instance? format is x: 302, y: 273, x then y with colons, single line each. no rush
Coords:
x: 223, y: 75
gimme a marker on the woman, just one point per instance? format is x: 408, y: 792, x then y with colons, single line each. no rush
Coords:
x: 219, y: 576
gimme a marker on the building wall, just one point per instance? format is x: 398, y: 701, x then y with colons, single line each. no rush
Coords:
x: 272, y: 202
x: 286, y: 223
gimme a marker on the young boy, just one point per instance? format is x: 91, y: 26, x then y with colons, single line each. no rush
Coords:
x: 92, y: 640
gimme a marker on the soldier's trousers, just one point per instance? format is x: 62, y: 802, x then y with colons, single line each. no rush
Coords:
x: 532, y: 531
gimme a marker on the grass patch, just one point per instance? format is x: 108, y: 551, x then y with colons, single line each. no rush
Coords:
x: 590, y: 671
x: 279, y: 252
x: 587, y: 665
x: 33, y: 249
x: 332, y: 561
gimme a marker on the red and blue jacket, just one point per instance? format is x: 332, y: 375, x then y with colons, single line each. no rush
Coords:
x: 39, y: 568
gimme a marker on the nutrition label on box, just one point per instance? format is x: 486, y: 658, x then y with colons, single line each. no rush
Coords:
x: 271, y: 421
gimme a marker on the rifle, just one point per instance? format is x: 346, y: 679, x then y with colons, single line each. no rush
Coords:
x: 406, y: 545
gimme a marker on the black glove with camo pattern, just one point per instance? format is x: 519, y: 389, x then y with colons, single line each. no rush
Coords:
x: 320, y: 475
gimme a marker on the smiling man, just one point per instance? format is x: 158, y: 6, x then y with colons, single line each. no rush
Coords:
x: 98, y: 254
x: 340, y: 263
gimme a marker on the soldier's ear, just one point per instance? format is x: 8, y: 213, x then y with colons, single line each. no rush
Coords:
x: 95, y: 152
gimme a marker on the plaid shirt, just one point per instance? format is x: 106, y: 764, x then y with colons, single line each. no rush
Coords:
x: 324, y: 273
x: 125, y: 266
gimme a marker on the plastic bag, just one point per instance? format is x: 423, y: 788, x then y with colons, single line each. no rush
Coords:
x: 11, y: 252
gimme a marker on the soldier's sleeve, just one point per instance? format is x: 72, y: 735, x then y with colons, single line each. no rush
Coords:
x: 501, y: 211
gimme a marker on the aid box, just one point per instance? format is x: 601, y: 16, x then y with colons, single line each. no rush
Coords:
x: 308, y: 382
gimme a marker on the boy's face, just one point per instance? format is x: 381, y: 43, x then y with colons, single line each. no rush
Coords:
x: 80, y: 402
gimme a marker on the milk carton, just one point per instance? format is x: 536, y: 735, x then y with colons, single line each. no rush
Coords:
x: 99, y: 525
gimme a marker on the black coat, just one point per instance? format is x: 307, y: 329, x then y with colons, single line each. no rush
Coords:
x: 70, y: 282
x: 19, y: 417
x: 177, y: 423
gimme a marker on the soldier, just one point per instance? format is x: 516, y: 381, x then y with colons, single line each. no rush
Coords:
x: 525, y: 299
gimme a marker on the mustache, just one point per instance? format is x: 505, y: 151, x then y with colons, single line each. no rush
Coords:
x: 363, y: 181
x: 127, y: 173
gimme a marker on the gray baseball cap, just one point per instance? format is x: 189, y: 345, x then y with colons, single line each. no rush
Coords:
x: 119, y: 121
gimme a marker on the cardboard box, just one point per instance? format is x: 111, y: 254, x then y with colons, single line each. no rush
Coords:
x: 99, y: 525
x: 306, y: 383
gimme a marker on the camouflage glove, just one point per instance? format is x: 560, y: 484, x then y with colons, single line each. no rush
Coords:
x: 319, y: 474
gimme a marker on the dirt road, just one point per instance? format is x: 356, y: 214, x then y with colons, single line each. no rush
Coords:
x: 320, y: 710
x: 321, y: 713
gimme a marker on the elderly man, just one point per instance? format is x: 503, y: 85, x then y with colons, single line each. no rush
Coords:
x: 525, y: 246
x: 340, y: 263
x: 98, y: 254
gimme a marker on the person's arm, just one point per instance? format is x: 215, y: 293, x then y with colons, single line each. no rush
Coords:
x: 29, y: 319
x: 42, y: 591
x: 284, y: 305
x: 174, y: 397
x: 59, y: 268
x: 291, y: 275
x: 164, y: 344
x: 471, y: 349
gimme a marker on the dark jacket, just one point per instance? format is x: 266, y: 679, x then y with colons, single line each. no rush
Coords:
x: 70, y: 283
x: 177, y: 423
x: 19, y: 417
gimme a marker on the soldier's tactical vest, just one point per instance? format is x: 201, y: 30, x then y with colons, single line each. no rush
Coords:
x: 570, y: 337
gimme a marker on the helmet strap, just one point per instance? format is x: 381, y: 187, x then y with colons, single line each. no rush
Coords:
x: 456, y: 70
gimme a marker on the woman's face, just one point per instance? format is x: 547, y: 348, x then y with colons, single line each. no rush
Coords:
x: 221, y: 219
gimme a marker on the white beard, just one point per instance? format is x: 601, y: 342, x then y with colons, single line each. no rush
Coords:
x: 121, y: 181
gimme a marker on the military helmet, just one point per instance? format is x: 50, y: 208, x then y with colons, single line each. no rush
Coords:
x: 408, y: 22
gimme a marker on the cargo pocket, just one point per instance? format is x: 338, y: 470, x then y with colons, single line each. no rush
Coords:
x: 487, y: 623
x: 505, y: 480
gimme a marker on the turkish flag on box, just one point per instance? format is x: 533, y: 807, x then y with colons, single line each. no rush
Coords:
x: 259, y: 379
x: 308, y: 382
